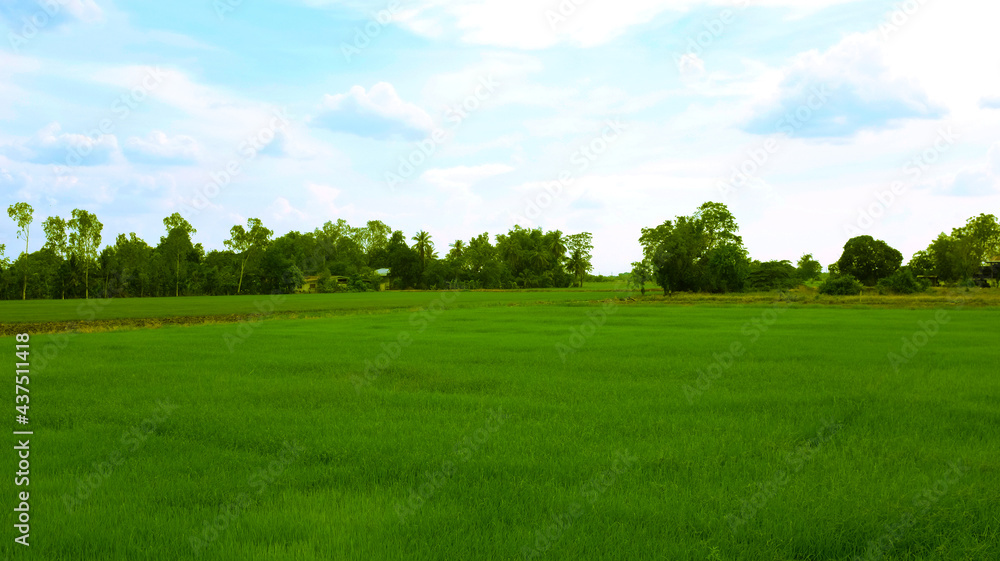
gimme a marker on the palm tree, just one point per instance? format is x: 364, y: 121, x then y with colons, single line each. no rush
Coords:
x: 457, y: 249
x: 577, y: 265
x: 540, y: 260
x: 556, y: 245
x: 424, y: 246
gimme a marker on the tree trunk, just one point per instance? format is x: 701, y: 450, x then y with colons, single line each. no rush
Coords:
x: 86, y: 283
x: 242, y: 266
x: 177, y: 279
x: 24, y: 287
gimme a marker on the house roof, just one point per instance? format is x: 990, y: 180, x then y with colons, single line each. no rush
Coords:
x: 382, y: 272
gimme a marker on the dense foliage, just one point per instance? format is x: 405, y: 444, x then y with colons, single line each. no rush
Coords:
x: 902, y: 281
x: 841, y: 285
x: 699, y: 253
x: 71, y: 263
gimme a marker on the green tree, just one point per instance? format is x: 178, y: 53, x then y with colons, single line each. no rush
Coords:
x: 557, y: 245
x: 945, y: 250
x: 773, y: 275
x: 371, y: 238
x: 84, y: 239
x: 683, y: 251
x: 178, y: 243
x: 977, y: 241
x: 718, y: 224
x: 922, y: 263
x: 133, y: 256
x: 424, y: 247
x: 245, y: 241
x: 456, y: 256
x: 21, y: 214
x: 580, y: 247
x: 808, y: 268
x: 404, y: 261
x: 56, y: 241
x: 728, y: 267
x: 868, y: 259
x: 640, y: 275
x: 676, y: 259
x: 107, y: 265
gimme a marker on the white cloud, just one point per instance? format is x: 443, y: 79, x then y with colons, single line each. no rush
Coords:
x: 990, y: 102
x: 975, y: 181
x: 530, y: 24
x: 690, y: 66
x: 463, y: 176
x: 378, y: 113
x: 323, y: 202
x: 41, y: 14
x: 848, y: 88
x: 52, y: 146
x: 158, y: 148
x: 282, y: 210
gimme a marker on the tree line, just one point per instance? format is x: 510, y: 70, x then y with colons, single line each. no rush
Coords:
x: 704, y: 253
x: 72, y: 263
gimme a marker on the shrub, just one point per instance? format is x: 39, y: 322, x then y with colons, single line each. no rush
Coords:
x: 772, y: 275
x: 902, y: 281
x: 841, y: 285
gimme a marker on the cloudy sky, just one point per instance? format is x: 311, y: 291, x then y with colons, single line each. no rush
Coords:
x: 814, y: 120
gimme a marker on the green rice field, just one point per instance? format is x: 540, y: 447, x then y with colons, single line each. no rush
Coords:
x: 512, y: 425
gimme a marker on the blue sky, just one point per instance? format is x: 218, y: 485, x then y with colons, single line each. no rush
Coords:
x: 814, y: 120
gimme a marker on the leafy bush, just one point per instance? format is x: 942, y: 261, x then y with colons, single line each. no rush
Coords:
x: 841, y: 285
x: 772, y: 275
x: 902, y: 281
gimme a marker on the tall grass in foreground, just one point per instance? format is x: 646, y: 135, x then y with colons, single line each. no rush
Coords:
x: 652, y: 437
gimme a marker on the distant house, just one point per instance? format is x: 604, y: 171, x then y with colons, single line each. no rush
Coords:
x: 385, y: 274
x: 990, y: 272
x: 311, y: 284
